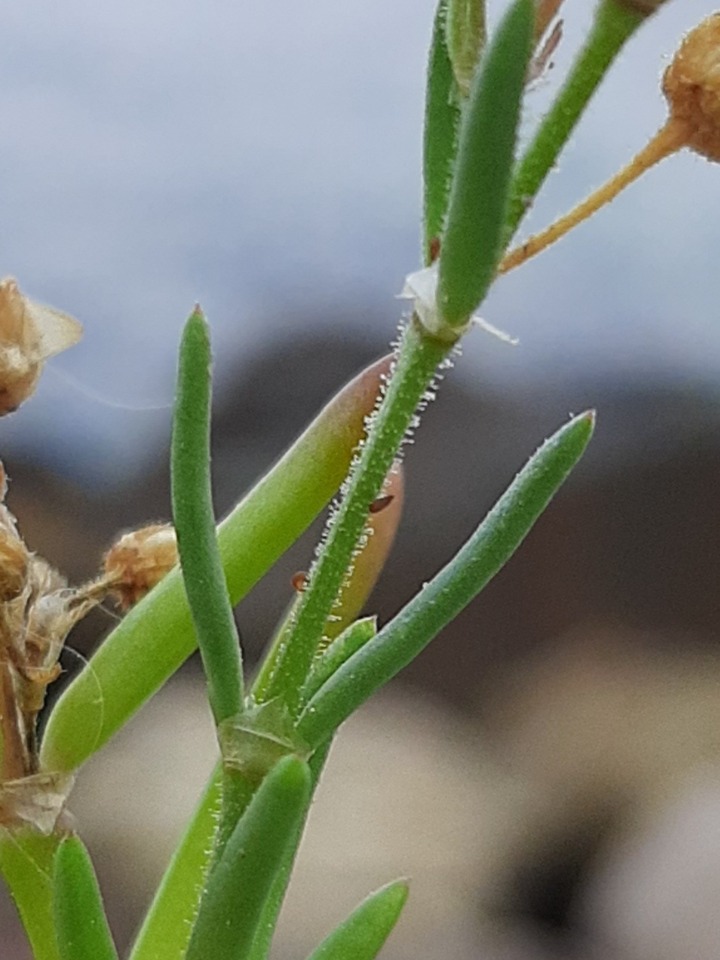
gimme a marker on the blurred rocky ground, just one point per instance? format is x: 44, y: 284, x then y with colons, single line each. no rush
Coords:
x: 549, y: 770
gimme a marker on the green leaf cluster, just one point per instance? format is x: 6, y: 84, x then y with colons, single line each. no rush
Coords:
x: 224, y: 887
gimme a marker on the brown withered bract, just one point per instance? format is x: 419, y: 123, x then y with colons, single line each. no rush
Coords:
x: 30, y: 333
x: 138, y: 561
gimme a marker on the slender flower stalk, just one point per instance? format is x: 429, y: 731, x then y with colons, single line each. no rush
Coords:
x: 668, y: 140
x: 614, y: 23
x: 691, y: 85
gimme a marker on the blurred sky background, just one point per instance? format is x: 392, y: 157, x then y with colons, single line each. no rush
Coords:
x: 265, y: 160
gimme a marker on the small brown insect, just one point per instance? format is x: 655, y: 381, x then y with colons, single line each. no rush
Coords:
x: 299, y: 581
x: 382, y: 503
x: 30, y: 333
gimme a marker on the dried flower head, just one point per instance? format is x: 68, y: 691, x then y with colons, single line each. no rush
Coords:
x: 139, y: 560
x: 14, y: 555
x: 37, y: 611
x: 692, y: 87
x: 30, y: 333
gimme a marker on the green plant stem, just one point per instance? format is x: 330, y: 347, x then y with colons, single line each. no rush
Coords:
x: 166, y: 929
x: 271, y: 908
x: 238, y: 886
x: 26, y: 863
x: 194, y: 519
x: 157, y: 635
x: 440, y: 601
x: 417, y: 360
x: 367, y: 566
x: 615, y: 22
x: 80, y: 921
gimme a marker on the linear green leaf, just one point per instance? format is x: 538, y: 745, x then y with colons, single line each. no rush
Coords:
x: 239, y: 884
x: 341, y: 649
x: 271, y: 908
x: 477, y: 211
x: 82, y: 928
x: 363, y: 934
x: 440, y: 601
x: 615, y: 22
x: 194, y: 519
x: 465, y: 39
x: 167, y: 926
x: 26, y: 864
x: 157, y: 635
x: 442, y: 122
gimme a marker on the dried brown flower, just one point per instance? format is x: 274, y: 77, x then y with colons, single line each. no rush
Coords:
x: 30, y: 333
x: 692, y: 87
x: 139, y: 560
x: 37, y: 611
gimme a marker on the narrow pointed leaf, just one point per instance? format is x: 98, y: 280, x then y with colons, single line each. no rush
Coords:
x: 363, y: 934
x: 194, y: 519
x: 26, y: 864
x: 442, y: 122
x: 82, y: 928
x: 240, y: 883
x: 442, y: 599
x: 465, y: 39
x: 472, y: 243
x: 166, y: 929
x: 271, y: 908
x: 341, y: 649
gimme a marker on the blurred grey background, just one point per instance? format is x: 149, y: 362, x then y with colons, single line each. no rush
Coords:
x: 265, y: 161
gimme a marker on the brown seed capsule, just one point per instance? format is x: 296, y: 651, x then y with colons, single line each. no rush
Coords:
x: 692, y: 87
x: 29, y: 334
x: 139, y: 560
